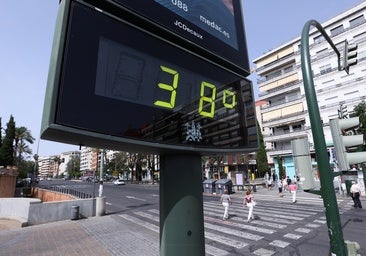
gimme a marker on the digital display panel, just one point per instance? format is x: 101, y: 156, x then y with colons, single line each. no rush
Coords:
x: 215, y: 26
x: 129, y: 74
x: 124, y: 87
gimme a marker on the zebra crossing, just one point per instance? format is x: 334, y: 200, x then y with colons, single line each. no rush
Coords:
x: 278, y: 224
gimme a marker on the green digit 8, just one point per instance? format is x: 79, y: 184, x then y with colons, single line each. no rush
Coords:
x: 207, y: 100
x: 227, y: 94
x: 169, y: 87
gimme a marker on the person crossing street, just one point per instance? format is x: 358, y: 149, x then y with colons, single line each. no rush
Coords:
x: 225, y: 200
x: 292, y: 188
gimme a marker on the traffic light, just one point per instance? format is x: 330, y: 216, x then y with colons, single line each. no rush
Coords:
x: 345, y: 142
x: 349, y: 56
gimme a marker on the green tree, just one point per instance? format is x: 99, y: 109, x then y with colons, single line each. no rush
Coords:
x: 22, y: 135
x: 7, y: 149
x: 281, y: 170
x: 262, y: 160
x: 151, y: 161
x: 118, y: 164
x: 24, y: 168
x: 360, y: 111
x: 73, y: 166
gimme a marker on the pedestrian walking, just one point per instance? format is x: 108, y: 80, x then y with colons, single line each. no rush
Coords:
x: 250, y: 203
x: 270, y: 183
x: 355, y: 194
x: 279, y: 184
x: 225, y: 200
x: 292, y: 188
x: 266, y: 179
x: 284, y: 184
x: 288, y: 180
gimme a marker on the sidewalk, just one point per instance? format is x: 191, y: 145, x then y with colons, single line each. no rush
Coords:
x: 94, y: 236
x: 6, y: 224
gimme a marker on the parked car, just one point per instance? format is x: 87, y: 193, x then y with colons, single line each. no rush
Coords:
x: 119, y: 182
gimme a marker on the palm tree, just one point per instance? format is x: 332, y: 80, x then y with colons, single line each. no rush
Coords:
x: 22, y: 135
x: 57, y: 160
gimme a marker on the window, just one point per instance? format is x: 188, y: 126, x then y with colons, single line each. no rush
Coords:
x: 360, y: 36
x: 288, y: 69
x: 325, y: 69
x: 357, y: 21
x: 322, y: 53
x: 337, y: 30
x: 274, y: 75
x: 296, y: 127
x: 319, y: 39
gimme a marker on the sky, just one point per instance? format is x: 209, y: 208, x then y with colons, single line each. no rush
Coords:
x: 26, y: 34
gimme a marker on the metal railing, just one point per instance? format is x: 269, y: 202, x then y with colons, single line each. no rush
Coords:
x: 67, y: 191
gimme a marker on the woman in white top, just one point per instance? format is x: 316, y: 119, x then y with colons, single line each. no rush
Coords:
x: 225, y: 200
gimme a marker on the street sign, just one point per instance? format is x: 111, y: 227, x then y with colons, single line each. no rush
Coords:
x: 113, y: 83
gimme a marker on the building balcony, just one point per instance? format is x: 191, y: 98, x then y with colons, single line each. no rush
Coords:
x: 282, y: 103
x: 286, y: 88
x: 276, y: 64
x: 279, y: 151
x: 286, y: 135
x: 263, y: 81
x: 286, y: 119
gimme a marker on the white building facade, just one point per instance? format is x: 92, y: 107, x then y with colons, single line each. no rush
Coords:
x: 285, y: 115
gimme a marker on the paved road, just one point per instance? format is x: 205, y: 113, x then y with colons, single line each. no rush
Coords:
x: 281, y: 228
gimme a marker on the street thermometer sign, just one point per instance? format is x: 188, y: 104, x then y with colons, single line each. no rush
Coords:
x: 121, y: 81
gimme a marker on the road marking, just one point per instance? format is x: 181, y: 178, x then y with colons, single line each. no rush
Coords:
x: 244, y: 219
x: 292, y: 236
x: 224, y: 240
x: 140, y: 222
x: 265, y: 212
x: 148, y: 216
x: 243, y: 226
x: 279, y: 243
x: 320, y: 221
x: 263, y: 252
x: 233, y: 232
x: 215, y: 251
x: 303, y: 230
x: 132, y: 197
x: 154, y: 211
x: 311, y: 225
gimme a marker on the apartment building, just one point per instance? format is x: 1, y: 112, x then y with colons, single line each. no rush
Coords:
x: 46, y: 167
x: 283, y: 110
x: 56, y: 165
x: 86, y: 157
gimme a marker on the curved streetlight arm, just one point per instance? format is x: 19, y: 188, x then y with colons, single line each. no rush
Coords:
x: 337, y: 244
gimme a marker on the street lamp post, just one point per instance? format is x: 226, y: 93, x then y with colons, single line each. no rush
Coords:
x: 335, y: 233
